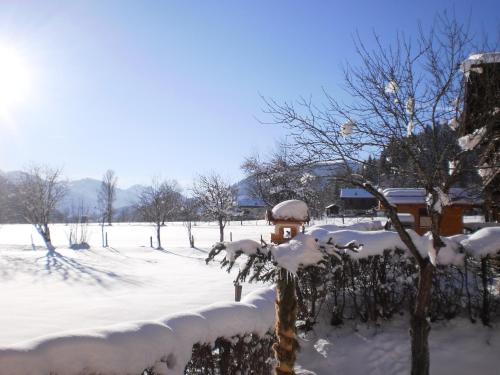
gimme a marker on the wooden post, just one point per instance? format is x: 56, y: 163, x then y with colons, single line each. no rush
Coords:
x: 231, y: 236
x: 285, y: 349
x: 237, y: 292
x: 106, y: 239
x: 151, y: 241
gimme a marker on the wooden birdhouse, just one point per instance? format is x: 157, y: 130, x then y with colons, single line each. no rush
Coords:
x: 288, y: 218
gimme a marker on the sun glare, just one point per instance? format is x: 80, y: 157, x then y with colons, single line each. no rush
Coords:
x: 15, y: 79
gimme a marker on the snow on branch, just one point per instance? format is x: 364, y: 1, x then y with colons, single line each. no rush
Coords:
x: 470, y: 141
x: 322, y: 241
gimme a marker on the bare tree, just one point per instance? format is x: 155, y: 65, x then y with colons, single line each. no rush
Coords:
x: 40, y: 189
x: 397, y: 93
x: 282, y: 177
x: 189, y: 214
x: 158, y: 203
x: 106, y: 196
x: 215, y: 196
x: 78, y: 218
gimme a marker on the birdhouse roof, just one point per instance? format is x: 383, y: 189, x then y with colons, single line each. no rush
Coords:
x: 291, y: 210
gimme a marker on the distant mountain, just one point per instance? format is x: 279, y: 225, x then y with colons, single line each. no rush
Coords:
x: 328, y: 169
x: 84, y: 192
x: 244, y: 196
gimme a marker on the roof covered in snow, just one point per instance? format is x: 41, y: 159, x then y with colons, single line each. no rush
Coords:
x: 355, y: 193
x: 418, y: 196
x: 293, y: 209
x: 332, y: 205
x: 478, y: 59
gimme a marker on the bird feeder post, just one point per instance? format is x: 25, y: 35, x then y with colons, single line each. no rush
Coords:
x: 237, y: 291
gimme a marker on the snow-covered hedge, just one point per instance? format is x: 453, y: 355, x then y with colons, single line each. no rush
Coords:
x: 163, y: 347
x: 369, y: 274
x: 320, y: 241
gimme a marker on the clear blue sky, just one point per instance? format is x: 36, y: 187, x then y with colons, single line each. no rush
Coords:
x: 172, y: 88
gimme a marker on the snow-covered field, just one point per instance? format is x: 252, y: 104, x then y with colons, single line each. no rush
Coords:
x: 45, y: 294
x: 79, y: 291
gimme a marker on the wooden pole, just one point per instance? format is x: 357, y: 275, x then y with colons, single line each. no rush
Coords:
x: 285, y: 349
x: 237, y: 292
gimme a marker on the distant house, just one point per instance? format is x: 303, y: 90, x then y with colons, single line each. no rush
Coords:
x: 411, y: 201
x: 332, y: 210
x: 357, y: 200
x: 250, y: 209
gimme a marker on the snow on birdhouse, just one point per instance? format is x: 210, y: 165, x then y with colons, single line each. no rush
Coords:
x: 347, y: 128
x: 293, y: 210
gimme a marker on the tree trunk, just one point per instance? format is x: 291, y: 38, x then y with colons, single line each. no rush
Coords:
x: 45, y: 233
x: 420, y: 327
x: 221, y: 230
x: 285, y: 348
x: 190, y: 235
x: 485, y: 308
x: 158, y: 233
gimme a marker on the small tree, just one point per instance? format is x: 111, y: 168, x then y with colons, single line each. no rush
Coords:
x: 157, y: 203
x: 106, y: 195
x: 273, y: 180
x: 284, y: 176
x: 189, y: 214
x: 78, y: 232
x: 40, y: 190
x: 215, y: 196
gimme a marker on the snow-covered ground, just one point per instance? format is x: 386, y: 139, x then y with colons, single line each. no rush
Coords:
x: 45, y: 294
x: 456, y: 347
x: 79, y: 291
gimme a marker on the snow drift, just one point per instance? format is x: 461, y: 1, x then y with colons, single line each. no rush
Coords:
x: 165, y: 344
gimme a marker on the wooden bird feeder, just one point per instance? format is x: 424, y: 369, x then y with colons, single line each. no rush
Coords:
x: 288, y: 218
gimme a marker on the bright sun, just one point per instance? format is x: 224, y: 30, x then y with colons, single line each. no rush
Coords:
x: 15, y: 79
